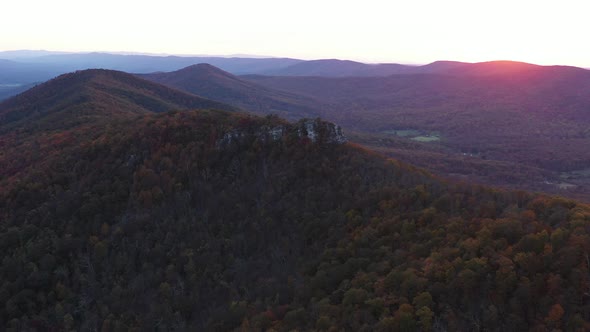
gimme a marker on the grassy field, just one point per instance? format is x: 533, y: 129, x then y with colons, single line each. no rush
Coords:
x: 403, y: 132
x: 414, y: 134
x: 426, y: 139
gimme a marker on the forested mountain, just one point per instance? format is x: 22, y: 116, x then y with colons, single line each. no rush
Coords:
x: 211, y: 82
x: 59, y: 114
x: 217, y: 221
x: 527, y: 115
x: 93, y: 93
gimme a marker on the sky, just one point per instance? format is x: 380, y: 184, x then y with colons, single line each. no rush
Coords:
x: 412, y: 31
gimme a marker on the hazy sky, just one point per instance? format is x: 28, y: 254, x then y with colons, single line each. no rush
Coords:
x: 411, y: 31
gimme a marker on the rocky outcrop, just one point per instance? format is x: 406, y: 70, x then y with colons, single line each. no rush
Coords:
x: 315, y: 130
x: 321, y: 131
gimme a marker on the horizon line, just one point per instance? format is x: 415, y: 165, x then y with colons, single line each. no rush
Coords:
x: 255, y: 56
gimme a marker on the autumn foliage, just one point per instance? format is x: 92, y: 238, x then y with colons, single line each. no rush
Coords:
x: 201, y: 220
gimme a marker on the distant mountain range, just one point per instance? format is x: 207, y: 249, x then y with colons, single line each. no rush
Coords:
x: 25, y: 54
x: 31, y: 67
x: 346, y: 68
x: 38, y: 67
x: 341, y: 68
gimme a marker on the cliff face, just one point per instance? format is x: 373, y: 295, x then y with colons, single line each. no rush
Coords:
x: 321, y: 131
x: 316, y: 130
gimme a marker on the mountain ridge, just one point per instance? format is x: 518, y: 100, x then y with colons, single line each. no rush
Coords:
x: 40, y: 66
x: 212, y: 82
x: 111, y: 92
x: 340, y: 68
x: 347, y: 68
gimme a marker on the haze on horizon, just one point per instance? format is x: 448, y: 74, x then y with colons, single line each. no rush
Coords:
x: 541, y: 32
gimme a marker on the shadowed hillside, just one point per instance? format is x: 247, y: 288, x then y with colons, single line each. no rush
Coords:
x: 93, y: 93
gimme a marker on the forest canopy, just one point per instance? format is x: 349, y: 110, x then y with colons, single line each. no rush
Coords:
x: 161, y: 221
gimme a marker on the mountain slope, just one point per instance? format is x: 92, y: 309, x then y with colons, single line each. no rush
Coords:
x: 216, y: 221
x: 61, y: 114
x: 94, y: 93
x: 211, y: 82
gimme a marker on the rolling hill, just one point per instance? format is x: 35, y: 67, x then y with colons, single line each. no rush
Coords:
x: 213, y: 220
x: 211, y: 82
x: 94, y: 93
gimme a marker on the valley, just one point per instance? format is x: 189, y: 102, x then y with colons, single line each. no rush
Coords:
x: 504, y: 112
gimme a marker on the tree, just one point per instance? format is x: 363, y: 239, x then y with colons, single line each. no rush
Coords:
x: 554, y: 316
x: 425, y: 317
